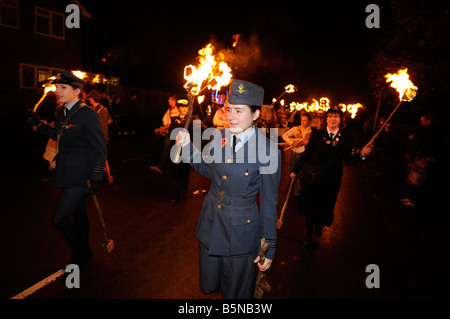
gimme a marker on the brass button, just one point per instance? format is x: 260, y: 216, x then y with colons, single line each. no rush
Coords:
x: 229, y: 161
x: 219, y: 206
x: 224, y: 177
x: 248, y: 220
x: 246, y: 173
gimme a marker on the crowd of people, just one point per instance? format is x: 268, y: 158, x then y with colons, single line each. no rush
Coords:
x: 230, y: 223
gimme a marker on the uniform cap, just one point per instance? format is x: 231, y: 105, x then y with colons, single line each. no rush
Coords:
x: 67, y: 77
x: 245, y: 93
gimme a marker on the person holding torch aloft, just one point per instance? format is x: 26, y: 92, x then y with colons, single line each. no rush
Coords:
x: 321, y: 169
x: 81, y: 156
x: 230, y: 226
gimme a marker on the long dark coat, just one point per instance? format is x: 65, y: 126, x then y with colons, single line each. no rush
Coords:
x: 324, y: 157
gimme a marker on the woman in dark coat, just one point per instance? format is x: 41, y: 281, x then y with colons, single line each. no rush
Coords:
x: 321, y: 169
x: 81, y: 156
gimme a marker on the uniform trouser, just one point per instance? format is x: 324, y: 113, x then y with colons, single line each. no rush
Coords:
x: 72, y: 203
x: 181, y: 172
x: 295, y: 157
x: 234, y: 275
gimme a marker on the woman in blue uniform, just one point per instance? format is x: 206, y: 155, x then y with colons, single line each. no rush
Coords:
x: 81, y: 156
x: 240, y: 163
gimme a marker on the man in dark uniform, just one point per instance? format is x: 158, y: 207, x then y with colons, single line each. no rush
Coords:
x: 321, y: 167
x: 81, y: 156
x: 242, y: 163
x: 180, y: 171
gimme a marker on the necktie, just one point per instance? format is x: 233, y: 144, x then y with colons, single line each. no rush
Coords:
x: 331, y: 135
x: 235, y: 141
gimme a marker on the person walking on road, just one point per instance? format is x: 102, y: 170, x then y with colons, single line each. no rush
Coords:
x: 230, y: 227
x: 81, y: 156
x: 300, y: 135
x: 321, y: 169
x: 180, y: 171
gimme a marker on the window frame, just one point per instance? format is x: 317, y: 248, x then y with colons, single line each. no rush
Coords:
x: 16, y: 6
x: 49, y: 16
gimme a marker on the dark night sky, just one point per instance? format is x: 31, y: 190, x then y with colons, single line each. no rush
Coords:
x: 321, y: 48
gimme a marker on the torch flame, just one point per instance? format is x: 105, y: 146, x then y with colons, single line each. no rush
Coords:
x: 236, y: 39
x: 401, y: 82
x: 47, y: 89
x: 79, y: 74
x: 351, y: 108
x: 290, y: 88
x: 51, y: 88
x: 210, y: 68
x: 323, y: 105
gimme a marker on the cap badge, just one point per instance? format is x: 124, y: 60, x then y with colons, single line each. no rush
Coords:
x: 240, y: 88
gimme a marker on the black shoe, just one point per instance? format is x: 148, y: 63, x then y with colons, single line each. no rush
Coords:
x: 307, y: 243
x: 318, y: 231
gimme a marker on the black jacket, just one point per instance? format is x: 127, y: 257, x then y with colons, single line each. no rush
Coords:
x: 328, y: 154
x: 82, y: 151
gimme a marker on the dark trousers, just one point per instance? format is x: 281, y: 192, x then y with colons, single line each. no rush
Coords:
x: 165, y: 154
x: 181, y: 172
x: 72, y: 205
x: 318, y: 204
x: 234, y: 275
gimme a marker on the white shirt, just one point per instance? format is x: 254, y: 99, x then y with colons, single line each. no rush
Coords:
x: 334, y: 132
x: 242, y: 139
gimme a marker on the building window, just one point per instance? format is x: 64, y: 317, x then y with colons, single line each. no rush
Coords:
x: 27, y: 79
x: 33, y: 76
x: 9, y: 13
x: 49, y: 23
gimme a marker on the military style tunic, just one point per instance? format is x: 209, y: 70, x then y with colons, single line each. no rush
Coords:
x: 81, y: 145
x: 230, y: 223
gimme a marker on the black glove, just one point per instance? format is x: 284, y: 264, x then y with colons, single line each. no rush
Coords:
x: 93, y: 187
x: 32, y: 117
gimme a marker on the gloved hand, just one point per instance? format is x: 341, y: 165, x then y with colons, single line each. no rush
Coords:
x: 32, y: 117
x: 93, y: 187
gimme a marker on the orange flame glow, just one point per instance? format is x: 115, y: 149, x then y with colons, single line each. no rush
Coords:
x: 323, y: 105
x: 211, y: 68
x: 51, y: 88
x: 351, y: 108
x: 401, y: 82
x: 79, y: 74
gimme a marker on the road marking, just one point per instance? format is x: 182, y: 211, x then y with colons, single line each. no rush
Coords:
x: 39, y: 285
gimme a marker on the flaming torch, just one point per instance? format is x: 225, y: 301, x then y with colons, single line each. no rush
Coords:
x: 49, y: 88
x: 211, y: 69
x: 290, y: 88
x: 406, y: 90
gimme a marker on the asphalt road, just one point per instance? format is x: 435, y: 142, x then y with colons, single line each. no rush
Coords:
x: 156, y: 253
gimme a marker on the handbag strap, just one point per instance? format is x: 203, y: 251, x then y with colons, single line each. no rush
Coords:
x: 72, y: 112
